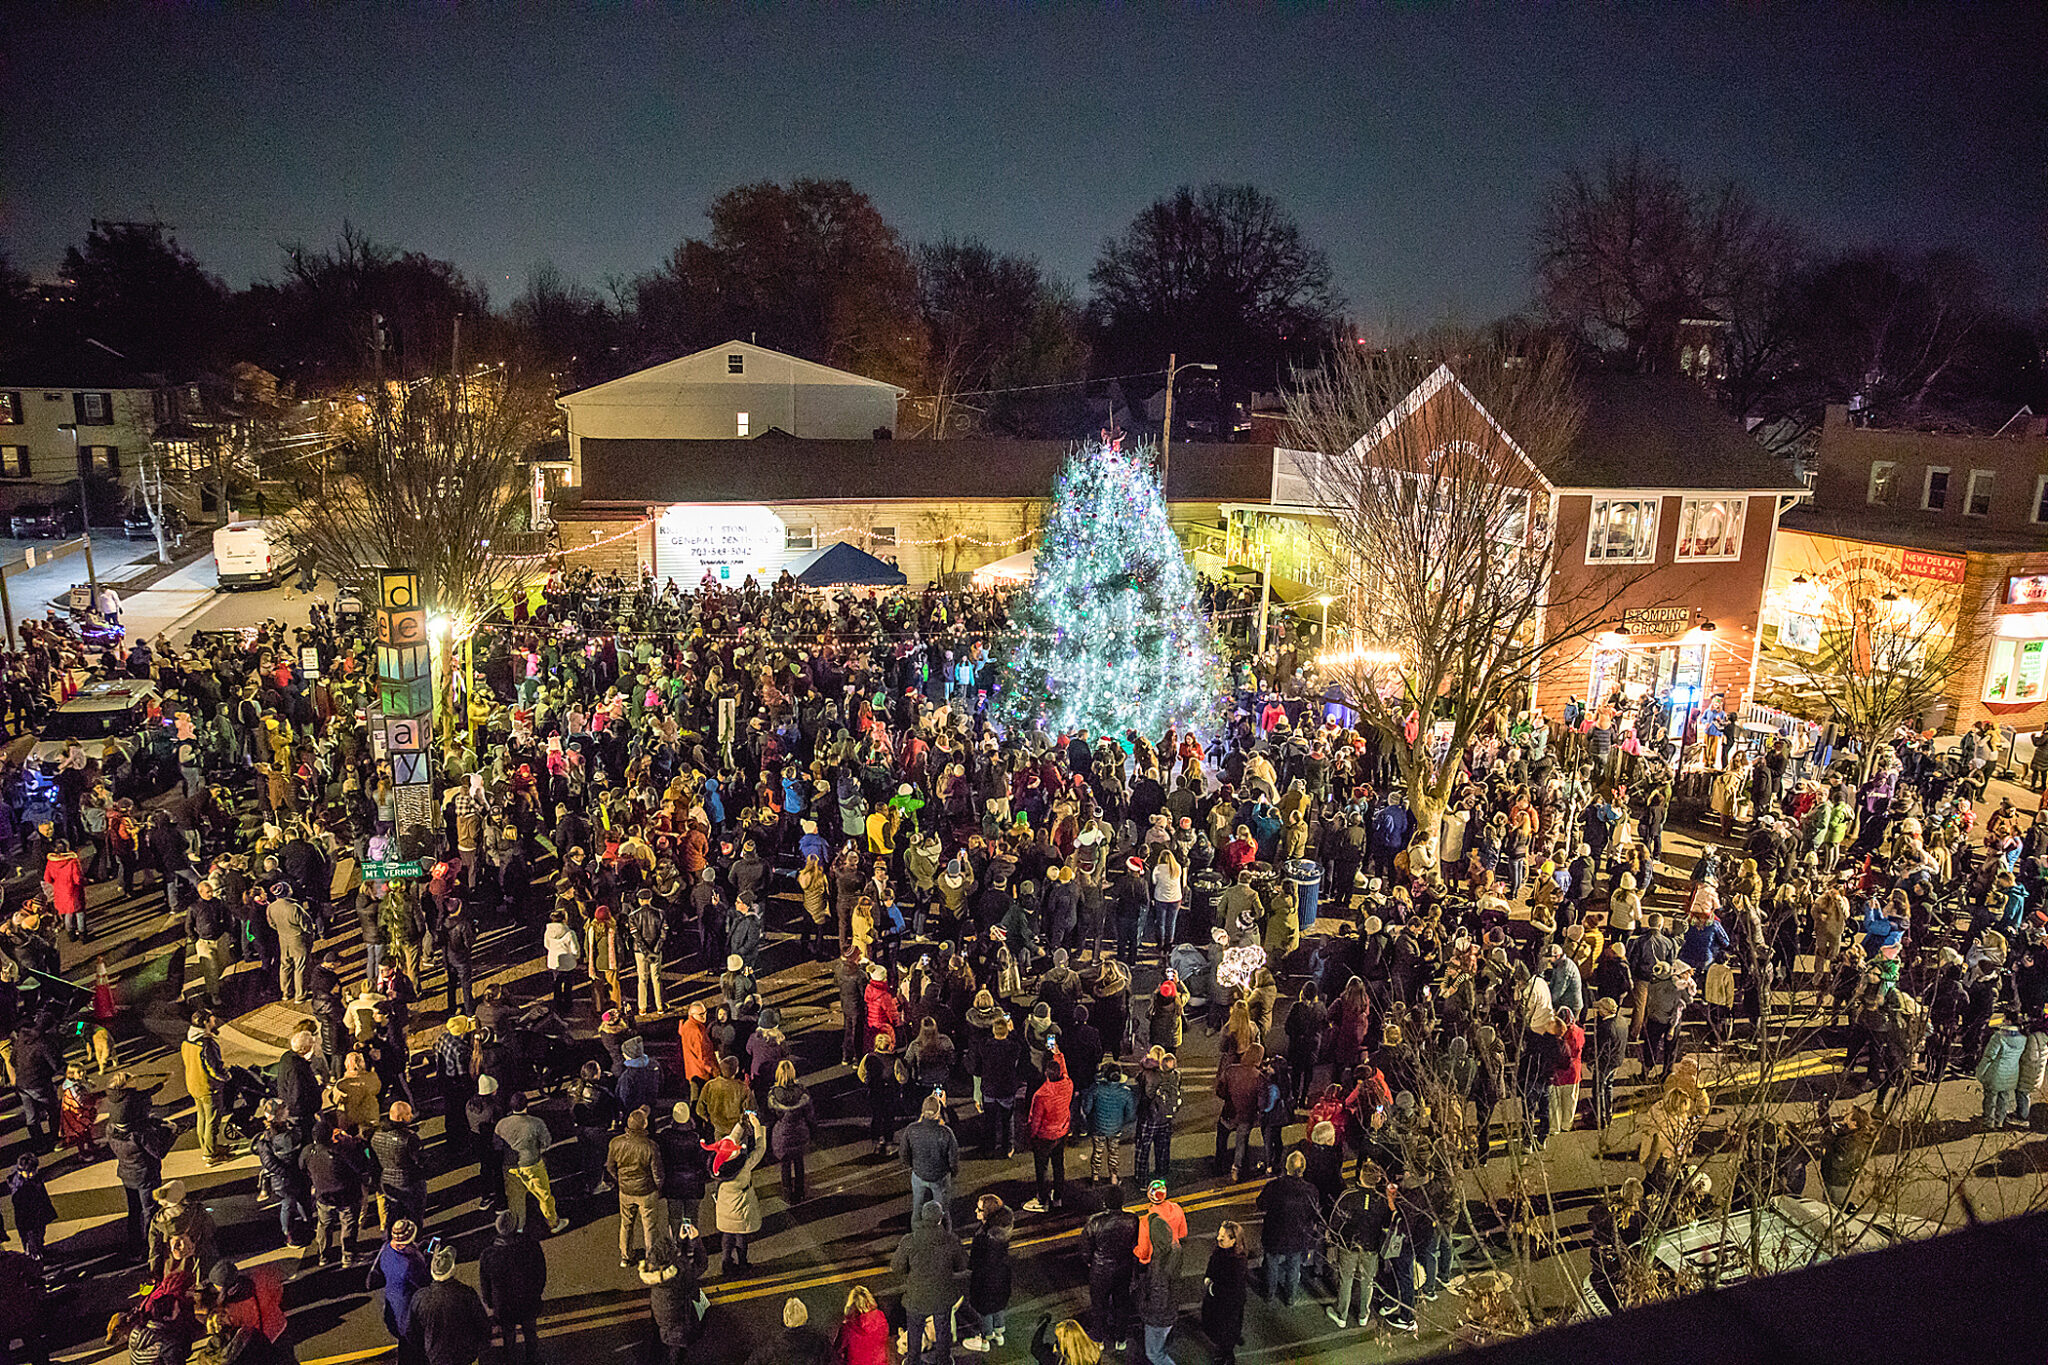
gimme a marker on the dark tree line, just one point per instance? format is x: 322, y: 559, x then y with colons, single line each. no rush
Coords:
x: 1649, y: 270
x: 1632, y: 261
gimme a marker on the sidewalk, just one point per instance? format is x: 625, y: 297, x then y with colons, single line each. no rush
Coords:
x: 164, y: 607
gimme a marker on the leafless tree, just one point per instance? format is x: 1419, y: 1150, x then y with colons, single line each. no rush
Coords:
x: 1442, y: 552
x: 428, y: 476
x: 1625, y: 256
x: 1881, y: 661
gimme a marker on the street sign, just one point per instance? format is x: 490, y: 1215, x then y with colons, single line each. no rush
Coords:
x: 81, y: 597
x: 309, y: 661
x: 393, y: 872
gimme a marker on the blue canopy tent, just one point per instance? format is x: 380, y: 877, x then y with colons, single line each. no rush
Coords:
x: 840, y: 565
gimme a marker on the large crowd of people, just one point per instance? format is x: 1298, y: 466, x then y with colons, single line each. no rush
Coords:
x: 656, y: 791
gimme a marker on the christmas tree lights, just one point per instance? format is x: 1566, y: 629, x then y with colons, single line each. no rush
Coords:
x: 1112, y: 636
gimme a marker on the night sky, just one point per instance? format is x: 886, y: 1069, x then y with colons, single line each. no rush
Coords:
x: 1412, y: 142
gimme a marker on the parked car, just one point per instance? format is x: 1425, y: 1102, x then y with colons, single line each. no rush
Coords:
x: 43, y: 521
x: 136, y: 524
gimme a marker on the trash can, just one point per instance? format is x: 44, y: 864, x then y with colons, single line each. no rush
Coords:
x: 1203, y: 890
x: 1306, y: 877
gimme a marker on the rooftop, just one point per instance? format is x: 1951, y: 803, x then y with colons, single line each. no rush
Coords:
x: 1663, y: 431
x: 1915, y: 531
x: 778, y: 467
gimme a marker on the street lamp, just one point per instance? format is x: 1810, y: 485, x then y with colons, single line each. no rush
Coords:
x: 84, y: 511
x: 1324, y: 602
x: 1166, y: 434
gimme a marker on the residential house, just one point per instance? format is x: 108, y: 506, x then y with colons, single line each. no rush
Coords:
x: 729, y: 392
x: 66, y: 418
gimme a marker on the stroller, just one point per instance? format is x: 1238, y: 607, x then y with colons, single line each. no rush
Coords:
x: 243, y: 1097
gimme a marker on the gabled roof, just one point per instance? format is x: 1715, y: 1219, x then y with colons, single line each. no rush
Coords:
x: 682, y: 370
x: 1439, y: 379
x: 1637, y: 431
x: 1663, y: 431
x: 62, y: 365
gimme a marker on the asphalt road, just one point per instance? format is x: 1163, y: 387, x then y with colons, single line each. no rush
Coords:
x: 858, y: 1202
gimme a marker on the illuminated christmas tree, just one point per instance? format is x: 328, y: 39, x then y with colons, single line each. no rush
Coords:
x: 1111, y: 635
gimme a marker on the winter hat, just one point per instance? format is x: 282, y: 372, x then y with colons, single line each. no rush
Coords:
x: 487, y: 1085
x: 506, y: 1224
x: 735, y: 963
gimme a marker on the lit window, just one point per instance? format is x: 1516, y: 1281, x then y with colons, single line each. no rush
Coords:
x: 1934, y: 492
x: 1711, y: 528
x: 798, y: 538
x: 735, y: 363
x: 1881, y: 482
x: 2015, y: 671
x: 13, y: 462
x: 740, y: 421
x: 10, y: 409
x: 96, y: 408
x: 104, y: 459
x: 1623, y: 530
x: 883, y: 535
x: 1978, y: 504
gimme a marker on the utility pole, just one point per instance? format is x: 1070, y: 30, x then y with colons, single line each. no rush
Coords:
x: 1166, y: 434
x: 84, y: 510
x: 1265, y: 597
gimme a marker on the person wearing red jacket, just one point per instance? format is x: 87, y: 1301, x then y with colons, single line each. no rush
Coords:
x: 885, y: 1012
x: 65, y: 879
x: 700, y: 1057
x: 1052, y: 1107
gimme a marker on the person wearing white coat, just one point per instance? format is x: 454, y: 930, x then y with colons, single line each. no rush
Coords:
x: 563, y: 949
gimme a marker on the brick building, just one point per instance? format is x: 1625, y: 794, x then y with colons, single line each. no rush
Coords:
x: 1952, y: 525
x: 1661, y: 513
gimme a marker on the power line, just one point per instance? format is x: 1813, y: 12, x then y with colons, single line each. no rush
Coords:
x: 1033, y: 388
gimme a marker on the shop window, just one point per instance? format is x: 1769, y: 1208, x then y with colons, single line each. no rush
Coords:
x: 1623, y: 530
x: 2015, y: 670
x: 1978, y: 503
x: 1934, y: 489
x: 1882, y: 483
x: 799, y: 538
x: 1711, y: 528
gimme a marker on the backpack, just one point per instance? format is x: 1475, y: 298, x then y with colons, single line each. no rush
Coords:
x: 1165, y: 1096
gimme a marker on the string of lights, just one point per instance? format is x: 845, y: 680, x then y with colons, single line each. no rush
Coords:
x: 834, y: 534
x: 1005, y: 633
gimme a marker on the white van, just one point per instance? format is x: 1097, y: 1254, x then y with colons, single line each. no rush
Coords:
x: 252, y: 553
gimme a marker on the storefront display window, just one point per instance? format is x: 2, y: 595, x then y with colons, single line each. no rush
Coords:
x: 2016, y: 670
x: 1680, y: 670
